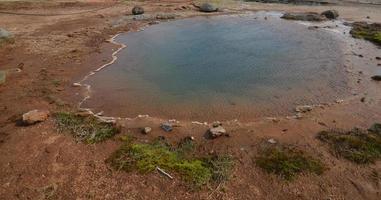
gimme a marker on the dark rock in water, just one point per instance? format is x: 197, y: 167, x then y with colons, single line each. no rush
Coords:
x: 363, y: 30
x: 378, y: 58
x: 5, y: 35
x: 330, y: 14
x: 137, y: 10
x: 375, y: 128
x: 207, y: 7
x: 308, y: 16
x: 167, y: 127
x: 376, y: 77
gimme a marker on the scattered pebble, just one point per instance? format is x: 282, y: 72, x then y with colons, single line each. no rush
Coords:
x: 146, y: 130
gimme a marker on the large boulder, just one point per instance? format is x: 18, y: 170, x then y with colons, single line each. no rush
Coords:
x: 137, y: 10
x: 35, y: 116
x: 308, y: 16
x: 330, y: 14
x: 207, y: 7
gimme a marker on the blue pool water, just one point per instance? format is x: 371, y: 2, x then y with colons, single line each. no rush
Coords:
x: 220, y: 68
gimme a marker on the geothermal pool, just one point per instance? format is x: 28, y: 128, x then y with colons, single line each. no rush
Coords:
x: 220, y: 68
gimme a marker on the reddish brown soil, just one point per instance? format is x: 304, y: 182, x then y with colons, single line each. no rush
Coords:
x: 37, y: 162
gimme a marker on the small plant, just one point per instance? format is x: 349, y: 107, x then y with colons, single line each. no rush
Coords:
x: 146, y: 158
x: 357, y: 145
x: 287, y: 162
x: 87, y: 129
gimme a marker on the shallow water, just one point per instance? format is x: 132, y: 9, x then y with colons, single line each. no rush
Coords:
x: 220, y: 68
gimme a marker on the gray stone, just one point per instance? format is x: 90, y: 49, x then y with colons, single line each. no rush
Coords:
x: 35, y: 116
x: 330, y: 14
x: 207, y: 7
x: 167, y: 127
x: 217, y: 132
x: 137, y: 10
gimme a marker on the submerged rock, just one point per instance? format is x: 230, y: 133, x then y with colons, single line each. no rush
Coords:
x: 164, y: 16
x: 137, y: 10
x: 2, y: 77
x: 5, y: 35
x: 330, y: 14
x: 308, y: 16
x: 34, y: 116
x: 376, y: 77
x: 207, y: 7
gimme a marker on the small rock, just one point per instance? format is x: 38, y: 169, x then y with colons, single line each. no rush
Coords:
x: 376, y: 77
x: 76, y: 85
x: 271, y: 141
x: 217, y: 132
x: 339, y: 101
x: 137, y: 10
x: 362, y: 99
x: 207, y: 7
x: 34, y: 116
x: 330, y: 14
x: 303, y: 109
x: 216, y: 124
x: 378, y: 58
x: 146, y: 130
x: 167, y: 127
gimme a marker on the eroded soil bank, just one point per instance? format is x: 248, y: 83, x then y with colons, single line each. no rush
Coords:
x: 56, y: 50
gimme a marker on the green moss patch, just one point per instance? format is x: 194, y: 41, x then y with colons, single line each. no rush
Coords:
x: 357, y: 145
x: 87, y: 129
x: 146, y: 158
x: 371, y: 32
x: 287, y: 162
